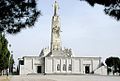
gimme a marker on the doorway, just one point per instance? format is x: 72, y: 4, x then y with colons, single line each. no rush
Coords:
x: 39, y: 69
x: 87, y: 69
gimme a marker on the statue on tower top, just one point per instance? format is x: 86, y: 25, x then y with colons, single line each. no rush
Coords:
x: 56, y: 7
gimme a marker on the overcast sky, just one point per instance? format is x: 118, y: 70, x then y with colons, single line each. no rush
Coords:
x: 87, y: 30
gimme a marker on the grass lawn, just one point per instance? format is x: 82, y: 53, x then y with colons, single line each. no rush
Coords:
x: 4, y: 78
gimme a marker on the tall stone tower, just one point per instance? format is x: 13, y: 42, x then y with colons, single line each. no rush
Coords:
x: 55, y: 45
x: 55, y: 30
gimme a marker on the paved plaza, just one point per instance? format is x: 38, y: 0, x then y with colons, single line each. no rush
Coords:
x: 64, y: 78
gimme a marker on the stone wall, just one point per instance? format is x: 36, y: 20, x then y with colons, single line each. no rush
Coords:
x: 30, y: 65
x: 78, y: 65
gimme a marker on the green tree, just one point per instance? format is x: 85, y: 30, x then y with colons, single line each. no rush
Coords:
x: 4, y: 53
x: 17, y: 14
x: 119, y: 68
x: 11, y: 64
x: 113, y: 64
x: 112, y: 7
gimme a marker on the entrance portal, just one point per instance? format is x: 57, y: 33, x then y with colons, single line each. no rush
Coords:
x: 87, y: 69
x: 39, y: 69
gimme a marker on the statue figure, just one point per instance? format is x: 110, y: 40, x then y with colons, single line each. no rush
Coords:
x: 56, y: 7
x: 56, y: 31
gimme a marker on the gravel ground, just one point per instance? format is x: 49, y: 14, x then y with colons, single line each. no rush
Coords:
x: 64, y: 78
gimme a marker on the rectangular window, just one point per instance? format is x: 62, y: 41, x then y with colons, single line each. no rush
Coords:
x: 70, y: 67
x: 64, y: 67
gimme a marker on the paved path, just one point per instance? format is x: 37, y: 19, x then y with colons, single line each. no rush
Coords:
x: 4, y: 78
x: 30, y: 78
x: 64, y: 78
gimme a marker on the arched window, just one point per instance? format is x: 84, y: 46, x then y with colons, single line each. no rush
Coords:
x: 64, y: 67
x: 58, y: 67
x: 70, y: 67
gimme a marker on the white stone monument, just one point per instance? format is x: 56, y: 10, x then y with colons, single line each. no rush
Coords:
x: 56, y: 60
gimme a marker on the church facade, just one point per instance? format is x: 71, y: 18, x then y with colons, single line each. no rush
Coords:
x: 56, y: 60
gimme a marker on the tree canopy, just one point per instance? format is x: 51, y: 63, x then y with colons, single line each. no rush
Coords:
x: 113, y: 63
x: 17, y: 14
x: 112, y: 7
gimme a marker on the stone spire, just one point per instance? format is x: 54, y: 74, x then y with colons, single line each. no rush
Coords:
x: 55, y: 30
